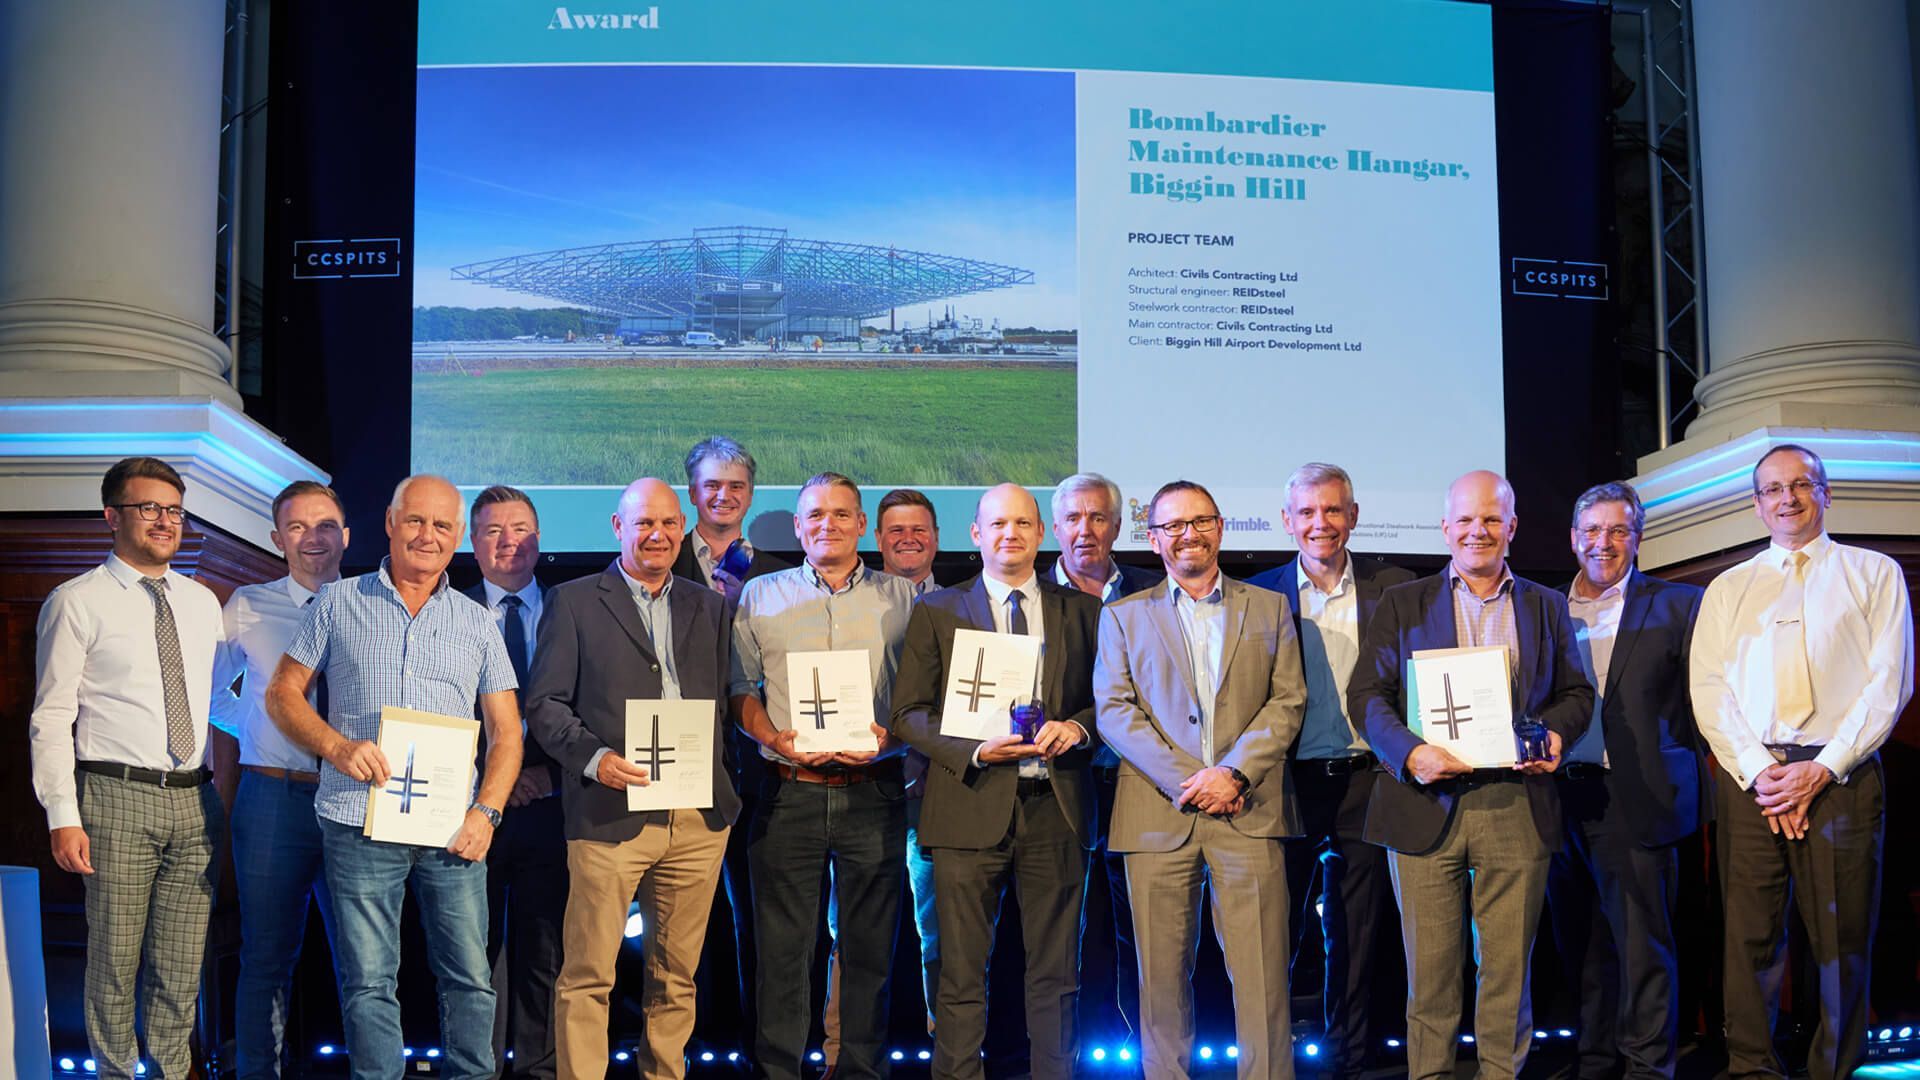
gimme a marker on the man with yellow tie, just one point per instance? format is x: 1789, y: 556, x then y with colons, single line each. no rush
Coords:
x: 1801, y: 662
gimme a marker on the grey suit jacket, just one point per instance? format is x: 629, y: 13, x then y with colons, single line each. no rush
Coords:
x: 1149, y: 712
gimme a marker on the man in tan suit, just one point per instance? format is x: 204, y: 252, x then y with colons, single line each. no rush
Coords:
x: 1199, y: 689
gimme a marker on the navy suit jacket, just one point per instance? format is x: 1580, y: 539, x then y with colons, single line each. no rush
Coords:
x: 533, y: 754
x: 1656, y: 782
x: 1409, y: 816
x: 594, y: 654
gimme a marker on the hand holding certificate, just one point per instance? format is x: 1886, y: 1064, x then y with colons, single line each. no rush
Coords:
x: 989, y: 674
x: 830, y: 701
x: 425, y: 799
x: 673, y: 742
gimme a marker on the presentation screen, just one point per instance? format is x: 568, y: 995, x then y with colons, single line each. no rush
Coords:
x: 946, y: 247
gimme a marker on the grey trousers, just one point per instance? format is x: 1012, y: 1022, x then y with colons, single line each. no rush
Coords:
x: 1492, y: 858
x: 148, y: 900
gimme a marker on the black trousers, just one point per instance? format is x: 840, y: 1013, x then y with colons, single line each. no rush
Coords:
x: 1107, y: 870
x: 1611, y: 903
x: 1352, y: 900
x: 1832, y: 877
x: 526, y: 903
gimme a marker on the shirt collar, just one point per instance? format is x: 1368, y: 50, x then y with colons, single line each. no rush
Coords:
x: 131, y: 578
x: 859, y: 574
x: 386, y: 578
x: 1506, y: 580
x: 704, y: 550
x: 1816, y: 548
x: 1060, y: 576
x: 639, y: 588
x: 530, y: 596
x: 1614, y: 592
x: 297, y: 592
x: 997, y: 590
x: 1214, y: 596
x: 1346, y: 577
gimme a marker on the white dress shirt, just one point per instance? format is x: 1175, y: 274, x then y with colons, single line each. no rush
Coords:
x: 1859, y: 639
x: 98, y: 694
x: 1329, y: 647
x: 1596, y: 626
x: 260, y: 621
x: 1203, y: 623
x: 1029, y: 590
x: 530, y: 607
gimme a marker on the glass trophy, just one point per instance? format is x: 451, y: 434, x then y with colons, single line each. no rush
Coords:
x: 1530, y: 740
x: 1029, y: 713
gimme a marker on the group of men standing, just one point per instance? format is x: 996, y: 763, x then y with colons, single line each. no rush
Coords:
x: 1203, y: 740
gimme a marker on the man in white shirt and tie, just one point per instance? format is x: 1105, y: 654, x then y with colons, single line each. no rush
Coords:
x: 1802, y: 660
x: 124, y: 670
x: 276, y: 838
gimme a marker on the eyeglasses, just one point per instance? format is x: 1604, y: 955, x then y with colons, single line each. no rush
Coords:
x: 1591, y: 533
x: 1801, y: 488
x: 1204, y: 526
x: 151, y: 511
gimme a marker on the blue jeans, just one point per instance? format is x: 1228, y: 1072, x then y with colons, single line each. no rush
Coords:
x: 369, y: 881
x: 276, y: 863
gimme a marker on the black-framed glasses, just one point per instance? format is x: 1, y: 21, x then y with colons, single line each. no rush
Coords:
x: 1205, y: 526
x: 1803, y: 488
x: 151, y: 511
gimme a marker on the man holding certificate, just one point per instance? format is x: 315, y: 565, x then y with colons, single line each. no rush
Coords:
x: 1200, y: 691
x: 1451, y: 817
x: 400, y: 648
x: 635, y: 642
x: 1004, y: 802
x: 814, y: 653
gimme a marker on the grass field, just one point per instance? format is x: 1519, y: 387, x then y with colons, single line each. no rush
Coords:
x: 929, y: 424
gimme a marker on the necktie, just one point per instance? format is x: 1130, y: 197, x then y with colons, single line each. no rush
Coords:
x: 1792, y: 674
x: 173, y: 673
x: 319, y: 679
x: 1017, y: 618
x: 515, y: 630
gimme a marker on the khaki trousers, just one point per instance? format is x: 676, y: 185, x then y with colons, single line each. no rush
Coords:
x: 674, y: 867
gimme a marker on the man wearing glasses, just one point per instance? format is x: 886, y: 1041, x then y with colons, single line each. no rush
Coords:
x: 123, y: 681
x: 1199, y: 689
x: 1802, y: 660
x: 1630, y: 790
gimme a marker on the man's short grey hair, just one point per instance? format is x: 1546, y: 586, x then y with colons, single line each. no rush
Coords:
x: 832, y: 479
x: 1612, y: 492
x: 400, y: 489
x: 724, y: 450
x: 1086, y: 481
x: 1315, y: 473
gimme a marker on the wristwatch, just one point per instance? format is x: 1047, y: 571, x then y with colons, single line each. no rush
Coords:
x: 488, y: 812
x: 1240, y: 778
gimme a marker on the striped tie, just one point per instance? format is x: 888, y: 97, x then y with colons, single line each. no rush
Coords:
x: 173, y: 673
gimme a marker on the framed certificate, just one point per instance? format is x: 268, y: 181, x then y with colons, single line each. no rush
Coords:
x: 987, y: 674
x: 830, y: 701
x: 1462, y: 700
x: 431, y: 758
x: 673, y: 741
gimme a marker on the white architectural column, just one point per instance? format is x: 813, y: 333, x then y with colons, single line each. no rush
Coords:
x: 1810, y: 190
x: 109, y: 173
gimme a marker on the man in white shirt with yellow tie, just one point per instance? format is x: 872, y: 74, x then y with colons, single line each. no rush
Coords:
x: 124, y: 674
x: 1801, y: 663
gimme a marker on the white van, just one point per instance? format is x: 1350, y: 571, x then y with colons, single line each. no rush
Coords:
x: 701, y: 339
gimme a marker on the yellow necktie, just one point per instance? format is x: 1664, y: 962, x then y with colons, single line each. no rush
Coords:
x: 1792, y: 674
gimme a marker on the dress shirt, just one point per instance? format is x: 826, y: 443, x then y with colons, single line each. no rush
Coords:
x: 97, y: 687
x: 795, y: 611
x: 260, y: 622
x: 1329, y: 647
x: 1490, y: 621
x: 998, y: 591
x: 375, y: 654
x: 922, y: 587
x: 1108, y: 593
x: 1859, y: 635
x: 657, y: 618
x: 1203, y: 624
x: 708, y: 558
x: 1596, y: 626
x: 530, y: 608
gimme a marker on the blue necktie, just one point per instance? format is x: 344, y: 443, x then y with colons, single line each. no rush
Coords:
x: 515, y: 631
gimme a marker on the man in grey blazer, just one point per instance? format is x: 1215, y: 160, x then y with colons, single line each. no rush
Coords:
x: 1005, y: 810
x: 1199, y: 690
x: 633, y: 631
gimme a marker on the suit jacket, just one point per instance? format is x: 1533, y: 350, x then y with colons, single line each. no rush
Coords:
x: 1656, y: 780
x: 533, y: 755
x: 688, y: 564
x: 1132, y: 578
x: 1149, y: 712
x: 969, y: 807
x: 594, y: 654
x: 1411, y: 817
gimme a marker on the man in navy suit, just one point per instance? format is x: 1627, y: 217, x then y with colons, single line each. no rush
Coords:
x: 1456, y: 832
x: 1630, y: 790
x: 1332, y: 594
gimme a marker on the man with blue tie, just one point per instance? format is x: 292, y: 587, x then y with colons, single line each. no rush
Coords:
x: 527, y: 864
x: 1005, y: 810
x: 1199, y: 690
x: 1332, y: 594
x: 1631, y: 789
x: 1457, y: 833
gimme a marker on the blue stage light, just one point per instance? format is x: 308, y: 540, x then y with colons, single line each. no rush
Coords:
x: 1313, y: 1049
x: 898, y: 1055
x: 406, y: 1051
x: 1539, y: 1034
x: 1466, y: 1039
x: 622, y: 1055
x: 1206, y: 1053
x: 636, y: 922
x: 1233, y: 1052
x: 1886, y: 1034
x: 433, y: 1052
x: 733, y: 1055
x: 925, y: 1055
x: 1906, y: 1033
x: 1393, y: 1044
x: 139, y: 1068
x: 66, y: 1065
x: 1565, y: 1033
x: 816, y: 1056
x: 90, y: 1065
x: 326, y: 1049
x: 1126, y: 1054
x: 1099, y: 1053
x: 706, y: 1055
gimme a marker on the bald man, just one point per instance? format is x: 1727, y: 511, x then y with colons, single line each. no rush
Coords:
x: 633, y: 631
x: 1003, y: 811
x: 1461, y: 835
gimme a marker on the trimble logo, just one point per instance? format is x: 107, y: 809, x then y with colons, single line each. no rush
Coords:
x: 627, y: 20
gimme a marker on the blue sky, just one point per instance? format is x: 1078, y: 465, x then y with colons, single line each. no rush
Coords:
x: 968, y: 162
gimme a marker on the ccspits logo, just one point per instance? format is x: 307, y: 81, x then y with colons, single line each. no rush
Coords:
x: 1137, y: 514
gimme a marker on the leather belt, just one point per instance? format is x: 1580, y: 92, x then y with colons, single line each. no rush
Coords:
x: 837, y: 777
x: 1793, y: 755
x: 1583, y: 770
x: 1340, y: 766
x: 1029, y: 786
x: 180, y: 778
x: 274, y: 772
